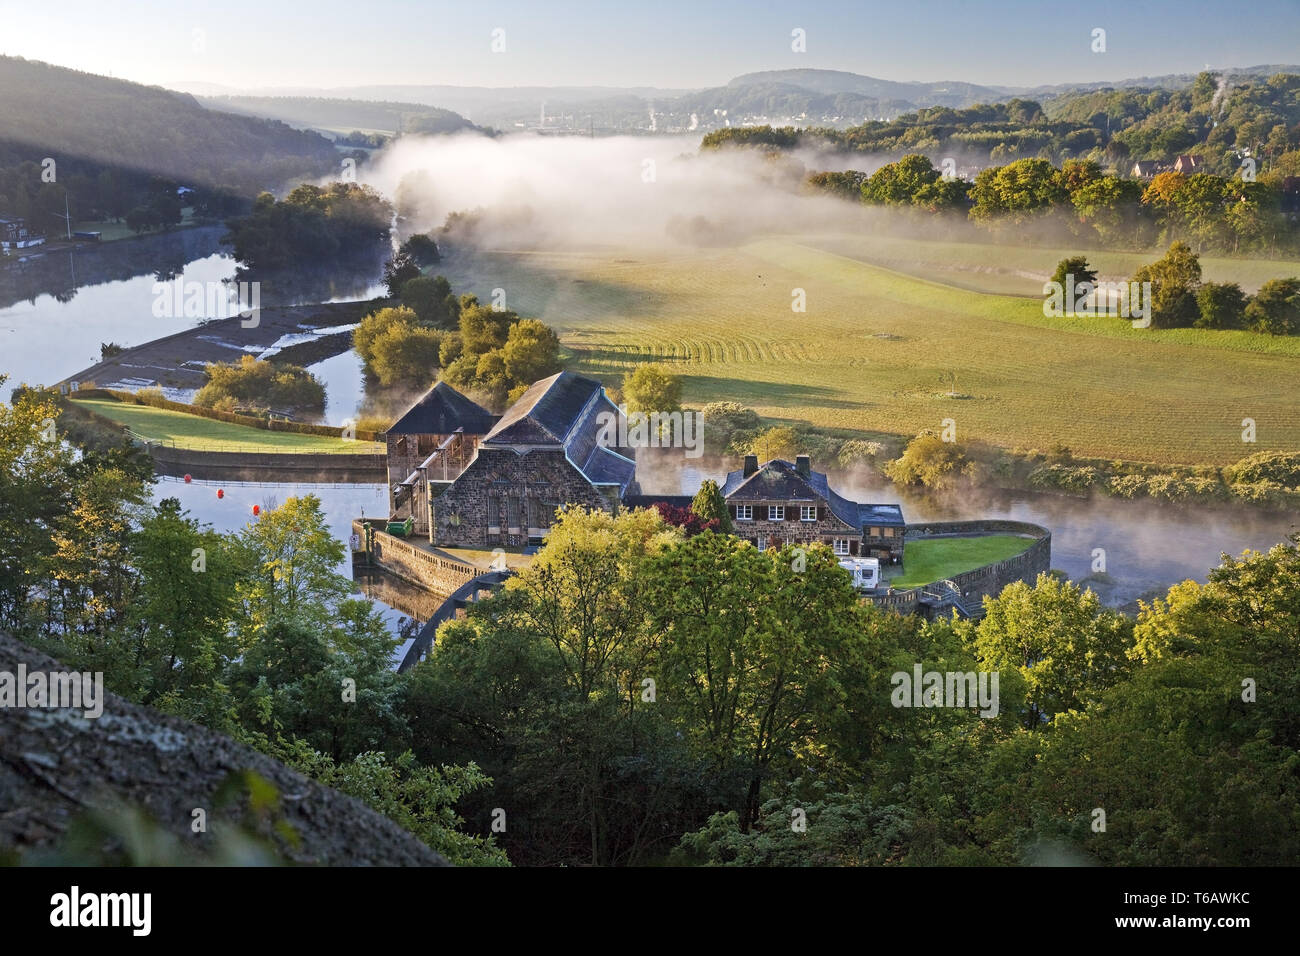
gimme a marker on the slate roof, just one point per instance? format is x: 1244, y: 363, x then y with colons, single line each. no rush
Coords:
x: 565, y: 410
x: 777, y: 480
x: 545, y: 413
x: 891, y: 515
x: 440, y: 411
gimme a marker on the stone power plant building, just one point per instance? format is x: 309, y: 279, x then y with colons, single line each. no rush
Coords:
x: 466, y: 478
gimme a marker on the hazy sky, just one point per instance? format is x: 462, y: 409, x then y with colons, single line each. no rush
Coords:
x: 665, y: 43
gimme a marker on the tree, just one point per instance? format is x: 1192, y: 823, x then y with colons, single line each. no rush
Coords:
x: 531, y: 352
x: 482, y: 328
x: 652, y: 388
x: 709, y: 504
x: 406, y: 356
x: 753, y: 650
x: 930, y: 461
x: 1016, y: 192
x: 293, y: 560
x: 1221, y: 305
x: 900, y: 183
x: 398, y: 271
x: 1066, y: 646
x: 1174, y: 279
x: 781, y: 441
x: 1076, y: 266
x: 1275, y: 308
x: 375, y: 324
x: 422, y: 249
x: 432, y: 301
x: 36, y: 488
x: 90, y: 572
x: 726, y: 423
x: 185, y: 596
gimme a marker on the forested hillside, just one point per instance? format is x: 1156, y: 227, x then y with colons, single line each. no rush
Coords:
x: 117, y: 144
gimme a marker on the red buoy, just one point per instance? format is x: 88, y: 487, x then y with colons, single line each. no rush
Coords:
x: 257, y: 510
x: 220, y: 493
x: 187, y: 479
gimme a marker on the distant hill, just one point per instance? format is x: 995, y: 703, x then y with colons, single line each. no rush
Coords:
x: 94, y: 122
x: 832, y: 82
x: 333, y: 115
x: 802, y: 97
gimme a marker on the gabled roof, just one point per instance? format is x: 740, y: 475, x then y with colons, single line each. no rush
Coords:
x: 566, y: 411
x: 440, y: 411
x: 546, y: 412
x: 777, y: 480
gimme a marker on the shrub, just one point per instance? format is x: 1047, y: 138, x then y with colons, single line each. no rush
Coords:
x: 1280, y: 468
x: 930, y: 461
x: 256, y: 384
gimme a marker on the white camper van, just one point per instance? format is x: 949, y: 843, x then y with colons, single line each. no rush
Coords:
x: 865, y: 571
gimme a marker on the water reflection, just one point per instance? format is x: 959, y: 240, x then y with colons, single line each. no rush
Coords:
x: 58, y: 306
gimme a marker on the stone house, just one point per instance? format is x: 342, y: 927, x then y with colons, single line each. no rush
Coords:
x: 783, y: 503
x: 551, y: 448
x: 428, y: 447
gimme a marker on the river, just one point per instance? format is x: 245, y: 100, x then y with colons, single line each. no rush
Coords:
x: 47, y: 335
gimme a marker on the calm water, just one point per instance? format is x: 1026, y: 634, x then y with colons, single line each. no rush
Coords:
x: 57, y: 308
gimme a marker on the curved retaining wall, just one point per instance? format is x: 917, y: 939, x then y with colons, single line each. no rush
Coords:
x: 980, y: 582
x: 441, y: 574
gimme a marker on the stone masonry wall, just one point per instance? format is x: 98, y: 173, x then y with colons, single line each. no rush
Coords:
x: 465, y: 513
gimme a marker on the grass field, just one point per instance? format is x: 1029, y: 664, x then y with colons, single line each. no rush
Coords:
x: 868, y: 354
x: 933, y: 559
x: 206, y: 434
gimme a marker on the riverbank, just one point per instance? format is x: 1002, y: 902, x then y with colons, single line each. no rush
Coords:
x: 184, y: 444
x: 175, y: 363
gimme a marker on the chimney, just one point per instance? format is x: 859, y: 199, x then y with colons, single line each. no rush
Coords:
x: 751, y: 464
x: 803, y: 465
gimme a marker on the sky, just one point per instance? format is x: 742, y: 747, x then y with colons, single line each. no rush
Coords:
x: 666, y: 43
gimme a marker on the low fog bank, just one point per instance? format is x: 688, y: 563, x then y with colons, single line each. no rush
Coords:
x: 1148, y: 545
x: 527, y: 191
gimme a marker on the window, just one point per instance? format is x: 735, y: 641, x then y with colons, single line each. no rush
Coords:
x: 744, y: 512
x: 807, y: 512
x: 761, y: 543
x: 841, y: 545
x: 776, y: 512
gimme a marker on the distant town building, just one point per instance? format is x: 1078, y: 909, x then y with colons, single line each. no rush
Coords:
x: 15, y: 235
x: 1186, y: 164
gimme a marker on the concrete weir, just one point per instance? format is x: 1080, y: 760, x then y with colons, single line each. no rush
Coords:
x: 267, y: 466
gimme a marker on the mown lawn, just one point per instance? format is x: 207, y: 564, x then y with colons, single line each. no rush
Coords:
x: 872, y: 352
x: 193, y: 431
x: 934, y: 559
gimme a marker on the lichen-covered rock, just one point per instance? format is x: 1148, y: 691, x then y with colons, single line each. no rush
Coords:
x: 59, y: 768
